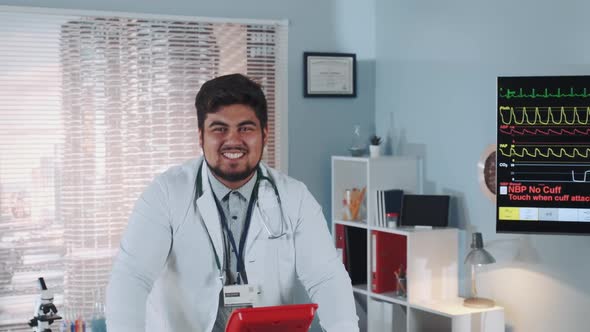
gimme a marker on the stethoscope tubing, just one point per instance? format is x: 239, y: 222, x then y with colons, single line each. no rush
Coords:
x: 271, y: 235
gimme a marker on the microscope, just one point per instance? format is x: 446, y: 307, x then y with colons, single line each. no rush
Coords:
x: 45, y: 311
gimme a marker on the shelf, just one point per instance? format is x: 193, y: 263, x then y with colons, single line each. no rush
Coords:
x: 359, y: 224
x: 397, y: 230
x: 429, y: 255
x: 408, y: 230
x: 346, y: 158
x: 361, y: 289
x: 450, y: 308
x: 389, y: 297
x: 368, y: 159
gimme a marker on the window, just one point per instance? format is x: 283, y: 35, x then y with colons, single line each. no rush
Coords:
x: 92, y: 107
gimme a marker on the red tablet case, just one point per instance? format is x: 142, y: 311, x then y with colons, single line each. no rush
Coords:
x: 283, y: 318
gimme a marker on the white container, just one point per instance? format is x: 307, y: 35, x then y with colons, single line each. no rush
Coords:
x: 374, y: 150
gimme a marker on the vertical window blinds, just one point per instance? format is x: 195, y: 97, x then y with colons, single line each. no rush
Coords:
x: 91, y: 109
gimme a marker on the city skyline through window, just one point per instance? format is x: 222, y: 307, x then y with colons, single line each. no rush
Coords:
x: 91, y: 109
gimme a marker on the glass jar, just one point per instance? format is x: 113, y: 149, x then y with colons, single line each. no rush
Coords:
x: 357, y: 147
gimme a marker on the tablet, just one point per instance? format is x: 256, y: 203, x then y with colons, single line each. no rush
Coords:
x: 282, y: 318
x: 425, y: 210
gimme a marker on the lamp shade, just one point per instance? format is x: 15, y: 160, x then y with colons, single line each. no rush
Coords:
x: 478, y: 255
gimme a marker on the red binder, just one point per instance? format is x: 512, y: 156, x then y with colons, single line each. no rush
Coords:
x: 341, y: 242
x: 283, y: 318
x: 387, y: 256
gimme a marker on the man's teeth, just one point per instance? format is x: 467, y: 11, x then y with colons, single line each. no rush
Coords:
x: 234, y: 155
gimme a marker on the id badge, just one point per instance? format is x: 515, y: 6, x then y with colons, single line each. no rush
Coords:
x: 239, y: 295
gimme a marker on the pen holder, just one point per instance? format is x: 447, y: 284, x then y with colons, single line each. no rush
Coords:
x: 354, y: 199
x: 354, y: 202
x: 400, y: 289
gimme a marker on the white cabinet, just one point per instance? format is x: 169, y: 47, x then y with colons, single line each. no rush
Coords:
x: 429, y: 256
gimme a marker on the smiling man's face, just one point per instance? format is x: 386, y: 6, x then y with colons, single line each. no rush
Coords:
x: 233, y: 140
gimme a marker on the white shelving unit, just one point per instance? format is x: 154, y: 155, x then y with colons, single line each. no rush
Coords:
x: 431, y: 257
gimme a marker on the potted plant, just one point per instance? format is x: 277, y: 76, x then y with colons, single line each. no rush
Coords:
x: 375, y: 147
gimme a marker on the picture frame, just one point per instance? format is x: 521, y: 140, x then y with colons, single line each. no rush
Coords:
x: 329, y: 74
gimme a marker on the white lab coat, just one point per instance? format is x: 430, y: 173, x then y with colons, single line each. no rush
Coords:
x: 165, y: 277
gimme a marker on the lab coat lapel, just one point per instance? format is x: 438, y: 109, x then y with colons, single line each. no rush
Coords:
x: 210, y: 215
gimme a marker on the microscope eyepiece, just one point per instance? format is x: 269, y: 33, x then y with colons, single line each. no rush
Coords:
x: 42, y: 284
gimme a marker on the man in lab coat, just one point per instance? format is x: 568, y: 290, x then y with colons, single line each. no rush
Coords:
x: 225, y: 219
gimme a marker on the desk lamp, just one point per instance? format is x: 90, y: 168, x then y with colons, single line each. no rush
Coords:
x: 476, y: 257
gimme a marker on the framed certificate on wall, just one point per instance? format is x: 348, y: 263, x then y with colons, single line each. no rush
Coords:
x: 329, y: 74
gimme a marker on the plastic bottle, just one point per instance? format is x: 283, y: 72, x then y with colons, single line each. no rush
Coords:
x: 98, y: 322
x: 79, y: 324
x: 345, y: 211
x: 64, y: 324
x: 73, y: 321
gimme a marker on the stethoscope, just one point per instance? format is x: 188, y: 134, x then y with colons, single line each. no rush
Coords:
x: 265, y: 218
x: 253, y: 200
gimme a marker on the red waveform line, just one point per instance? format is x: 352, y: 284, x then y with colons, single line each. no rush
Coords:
x: 549, y: 143
x: 546, y: 132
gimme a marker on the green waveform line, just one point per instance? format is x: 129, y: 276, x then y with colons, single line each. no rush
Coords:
x: 545, y: 93
x: 549, y: 153
x: 508, y: 116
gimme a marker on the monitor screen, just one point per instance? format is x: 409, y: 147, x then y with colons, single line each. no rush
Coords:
x: 543, y: 155
x: 425, y: 210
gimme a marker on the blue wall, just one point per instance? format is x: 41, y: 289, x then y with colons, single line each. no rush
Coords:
x: 437, y: 64
x: 318, y: 128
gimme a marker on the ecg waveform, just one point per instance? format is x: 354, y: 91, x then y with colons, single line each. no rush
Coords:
x: 547, y: 116
x: 544, y: 152
x: 543, y: 93
x: 546, y: 132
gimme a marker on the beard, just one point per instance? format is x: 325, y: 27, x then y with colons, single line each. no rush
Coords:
x: 232, y: 176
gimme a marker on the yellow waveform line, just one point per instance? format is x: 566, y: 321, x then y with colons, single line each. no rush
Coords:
x: 550, y: 152
x: 511, y: 117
